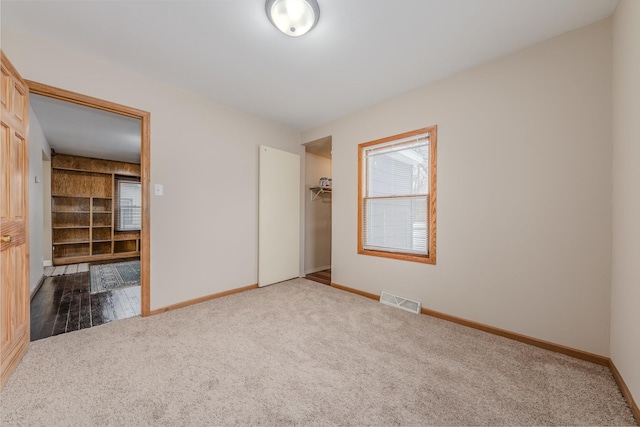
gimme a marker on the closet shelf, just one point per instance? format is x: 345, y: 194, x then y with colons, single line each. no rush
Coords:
x: 317, y: 192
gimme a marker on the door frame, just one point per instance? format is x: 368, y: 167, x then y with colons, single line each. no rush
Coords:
x: 305, y: 194
x: 145, y: 172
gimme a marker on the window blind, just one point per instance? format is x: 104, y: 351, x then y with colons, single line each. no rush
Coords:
x: 396, y: 194
x: 128, y: 205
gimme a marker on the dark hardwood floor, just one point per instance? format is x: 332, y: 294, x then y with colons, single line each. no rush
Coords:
x: 65, y: 304
x: 323, y: 276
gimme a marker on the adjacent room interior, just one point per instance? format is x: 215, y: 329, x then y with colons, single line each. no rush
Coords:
x: 91, y: 210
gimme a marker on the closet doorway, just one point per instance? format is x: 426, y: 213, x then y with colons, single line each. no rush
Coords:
x: 317, y: 222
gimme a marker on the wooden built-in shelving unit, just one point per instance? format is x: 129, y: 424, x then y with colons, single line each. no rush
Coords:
x: 82, y: 207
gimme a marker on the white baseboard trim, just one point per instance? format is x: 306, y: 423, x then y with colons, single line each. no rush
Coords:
x: 47, y: 263
x: 313, y: 270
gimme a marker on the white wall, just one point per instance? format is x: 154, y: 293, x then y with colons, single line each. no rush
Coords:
x: 38, y: 148
x: 317, y: 221
x: 47, y: 238
x: 524, y: 187
x: 625, y: 297
x: 204, y: 228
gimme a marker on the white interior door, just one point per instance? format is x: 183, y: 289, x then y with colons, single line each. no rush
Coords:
x: 279, y: 216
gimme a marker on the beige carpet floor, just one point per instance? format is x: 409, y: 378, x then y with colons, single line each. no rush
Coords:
x: 301, y: 353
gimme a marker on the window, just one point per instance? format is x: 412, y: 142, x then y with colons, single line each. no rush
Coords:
x: 128, y: 204
x: 397, y: 196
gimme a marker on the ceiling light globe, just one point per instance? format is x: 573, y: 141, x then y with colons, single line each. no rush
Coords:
x: 293, y: 17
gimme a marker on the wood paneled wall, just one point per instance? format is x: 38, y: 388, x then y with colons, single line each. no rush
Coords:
x: 83, y: 209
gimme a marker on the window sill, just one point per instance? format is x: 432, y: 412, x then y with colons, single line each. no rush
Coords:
x: 424, y: 259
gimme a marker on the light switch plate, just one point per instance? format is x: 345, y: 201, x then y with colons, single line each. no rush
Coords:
x: 158, y: 189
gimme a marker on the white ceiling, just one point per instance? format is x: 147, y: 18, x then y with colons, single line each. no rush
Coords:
x: 85, y: 131
x: 360, y: 53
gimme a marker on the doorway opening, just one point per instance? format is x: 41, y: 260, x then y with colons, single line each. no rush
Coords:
x: 317, y: 223
x: 97, y: 212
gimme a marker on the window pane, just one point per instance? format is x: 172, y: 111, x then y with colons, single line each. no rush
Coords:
x: 129, y: 206
x: 396, y: 225
x: 398, y: 171
x: 397, y: 196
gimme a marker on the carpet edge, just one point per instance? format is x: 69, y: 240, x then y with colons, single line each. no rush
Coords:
x: 202, y: 299
x: 626, y: 393
x: 558, y: 348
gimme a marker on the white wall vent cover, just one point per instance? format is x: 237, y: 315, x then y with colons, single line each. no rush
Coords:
x: 399, y: 302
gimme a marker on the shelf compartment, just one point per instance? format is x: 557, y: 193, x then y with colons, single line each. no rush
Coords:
x: 126, y: 235
x: 70, y: 235
x: 120, y: 246
x: 70, y: 250
x: 69, y: 183
x: 70, y: 204
x: 102, y: 219
x: 100, y: 248
x: 70, y: 219
x: 101, y: 233
x: 101, y: 205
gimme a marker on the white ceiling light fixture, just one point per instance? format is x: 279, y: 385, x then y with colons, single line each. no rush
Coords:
x: 293, y: 17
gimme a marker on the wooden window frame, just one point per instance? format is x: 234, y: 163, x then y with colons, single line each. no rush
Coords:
x: 430, y: 258
x: 117, y: 203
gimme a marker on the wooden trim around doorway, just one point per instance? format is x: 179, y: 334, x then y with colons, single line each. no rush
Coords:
x: 145, y: 171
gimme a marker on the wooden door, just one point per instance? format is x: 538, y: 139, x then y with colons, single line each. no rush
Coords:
x: 14, y: 220
x: 279, y: 216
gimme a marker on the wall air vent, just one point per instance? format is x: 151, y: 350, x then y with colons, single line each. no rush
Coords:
x: 399, y: 302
